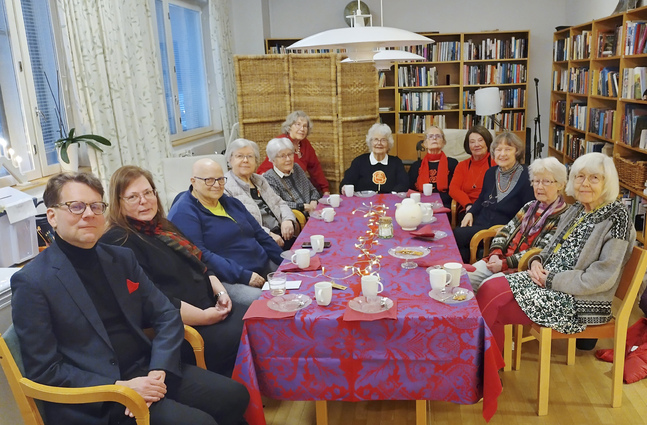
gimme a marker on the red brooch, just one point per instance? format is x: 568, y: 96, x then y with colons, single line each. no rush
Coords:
x: 132, y: 286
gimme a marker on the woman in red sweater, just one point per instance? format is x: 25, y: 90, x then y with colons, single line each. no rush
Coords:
x: 296, y: 128
x: 467, y: 183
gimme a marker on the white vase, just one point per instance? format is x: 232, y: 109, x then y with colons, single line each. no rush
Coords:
x: 408, y: 214
x: 73, y: 156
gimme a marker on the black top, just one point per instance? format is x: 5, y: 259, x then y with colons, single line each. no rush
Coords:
x: 365, y: 176
x: 168, y: 270
x: 433, y: 165
x: 130, y: 350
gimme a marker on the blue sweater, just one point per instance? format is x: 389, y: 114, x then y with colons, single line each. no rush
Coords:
x: 232, y: 249
x: 488, y: 214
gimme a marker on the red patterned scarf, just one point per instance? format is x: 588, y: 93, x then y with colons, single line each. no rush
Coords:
x: 442, y: 176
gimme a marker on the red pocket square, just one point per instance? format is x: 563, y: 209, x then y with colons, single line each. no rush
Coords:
x: 132, y: 286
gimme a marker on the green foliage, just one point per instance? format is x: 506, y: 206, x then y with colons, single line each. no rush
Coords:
x: 91, y: 139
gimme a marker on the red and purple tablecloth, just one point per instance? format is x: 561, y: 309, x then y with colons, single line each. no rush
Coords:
x: 433, y: 351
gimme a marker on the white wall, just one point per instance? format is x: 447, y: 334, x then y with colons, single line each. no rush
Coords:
x: 249, y: 24
x: 581, y: 11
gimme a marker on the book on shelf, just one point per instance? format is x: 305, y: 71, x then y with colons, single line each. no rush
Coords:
x: 422, y: 101
x: 601, y: 122
x: 575, y: 146
x: 579, y: 80
x: 634, y: 82
x: 560, y: 79
x: 640, y: 127
x: 577, y: 115
x: 607, y: 44
x: 558, y: 111
x: 382, y: 79
x: 635, y: 38
x: 417, y: 123
x: 582, y: 45
x: 605, y: 81
x: 558, y: 138
x: 561, y: 49
x: 631, y: 129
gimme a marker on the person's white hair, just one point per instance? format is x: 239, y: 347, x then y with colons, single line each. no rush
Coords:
x: 550, y: 166
x: 596, y: 163
x: 379, y: 129
x: 276, y: 145
x: 292, y: 118
x: 238, y: 144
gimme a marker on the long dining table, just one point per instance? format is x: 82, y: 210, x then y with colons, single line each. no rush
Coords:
x: 429, y: 350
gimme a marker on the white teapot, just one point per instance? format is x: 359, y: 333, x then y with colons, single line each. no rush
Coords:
x: 408, y: 214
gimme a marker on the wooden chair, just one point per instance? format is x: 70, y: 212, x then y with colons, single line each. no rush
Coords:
x: 26, y: 392
x: 626, y: 293
x: 482, y: 236
x: 301, y: 221
x: 454, y: 214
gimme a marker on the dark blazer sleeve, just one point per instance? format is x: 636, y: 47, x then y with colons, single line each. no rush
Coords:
x: 401, y: 179
x: 272, y: 249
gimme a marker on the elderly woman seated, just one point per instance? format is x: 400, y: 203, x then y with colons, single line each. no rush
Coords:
x: 232, y: 242
x: 532, y: 227
x: 571, y: 283
x: 137, y: 221
x: 377, y: 170
x: 296, y: 128
x: 288, y: 179
x: 271, y: 212
x: 435, y: 167
x: 506, y: 188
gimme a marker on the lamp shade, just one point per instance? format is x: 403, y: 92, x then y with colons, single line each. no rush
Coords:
x: 361, y: 43
x: 487, y: 101
x: 384, y: 59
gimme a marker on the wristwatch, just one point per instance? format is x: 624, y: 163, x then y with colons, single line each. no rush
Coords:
x: 219, y: 294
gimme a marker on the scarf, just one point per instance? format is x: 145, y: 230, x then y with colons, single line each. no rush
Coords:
x: 539, y: 224
x: 175, y: 241
x: 442, y: 177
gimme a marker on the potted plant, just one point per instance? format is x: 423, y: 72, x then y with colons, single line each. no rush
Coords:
x: 64, y: 143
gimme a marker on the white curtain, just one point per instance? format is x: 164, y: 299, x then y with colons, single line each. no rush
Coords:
x: 223, y: 61
x: 115, y: 82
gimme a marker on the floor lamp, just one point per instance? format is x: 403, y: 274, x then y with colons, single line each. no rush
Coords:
x: 488, y: 103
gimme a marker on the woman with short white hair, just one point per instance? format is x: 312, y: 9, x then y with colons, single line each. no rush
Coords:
x: 572, y: 282
x: 271, y: 212
x: 377, y: 170
x: 532, y: 227
x: 288, y: 179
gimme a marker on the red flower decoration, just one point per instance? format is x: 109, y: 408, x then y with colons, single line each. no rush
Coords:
x: 132, y: 286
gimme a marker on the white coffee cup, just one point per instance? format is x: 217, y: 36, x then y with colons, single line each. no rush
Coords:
x: 439, y: 278
x: 334, y: 200
x: 371, y: 285
x: 415, y: 196
x: 317, y: 242
x: 349, y: 190
x: 328, y: 214
x: 301, y: 258
x: 427, y: 189
x: 455, y: 270
x: 427, y: 212
x: 323, y: 293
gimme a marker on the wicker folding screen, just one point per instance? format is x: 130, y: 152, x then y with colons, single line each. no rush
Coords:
x: 341, y: 100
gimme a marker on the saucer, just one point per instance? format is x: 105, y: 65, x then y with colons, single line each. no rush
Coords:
x: 450, y: 294
x: 365, y: 193
x: 433, y: 220
x: 325, y: 201
x: 370, y: 305
x: 438, y: 235
x: 288, y: 254
x: 400, y: 194
x: 289, y: 302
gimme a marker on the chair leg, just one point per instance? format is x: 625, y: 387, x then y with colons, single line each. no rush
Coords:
x: 518, y: 342
x: 421, y: 412
x: 507, y: 348
x: 545, y: 335
x: 321, y: 412
x: 570, y: 356
x: 618, y: 367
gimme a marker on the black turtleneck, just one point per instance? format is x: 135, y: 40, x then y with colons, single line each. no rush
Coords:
x: 131, y: 351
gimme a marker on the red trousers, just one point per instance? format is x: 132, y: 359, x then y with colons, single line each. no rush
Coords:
x: 499, y: 307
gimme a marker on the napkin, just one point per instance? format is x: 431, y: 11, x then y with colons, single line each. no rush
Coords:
x: 315, y: 264
x: 441, y: 210
x: 260, y: 310
x: 469, y: 268
x: 410, y: 191
x: 424, y: 231
x: 351, y: 315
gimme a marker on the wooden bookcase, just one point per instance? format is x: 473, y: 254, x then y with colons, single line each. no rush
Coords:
x: 588, y: 110
x: 450, y: 64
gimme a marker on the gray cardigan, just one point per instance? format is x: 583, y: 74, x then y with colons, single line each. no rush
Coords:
x: 237, y: 188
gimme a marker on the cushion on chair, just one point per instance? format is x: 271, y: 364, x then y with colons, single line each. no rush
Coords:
x: 635, y: 352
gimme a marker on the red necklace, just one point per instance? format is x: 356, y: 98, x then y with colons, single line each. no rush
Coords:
x: 498, y: 180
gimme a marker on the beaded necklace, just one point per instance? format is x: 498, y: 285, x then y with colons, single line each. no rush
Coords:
x: 498, y: 179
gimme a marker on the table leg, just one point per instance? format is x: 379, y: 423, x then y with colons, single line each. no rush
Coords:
x: 421, y: 412
x: 321, y: 412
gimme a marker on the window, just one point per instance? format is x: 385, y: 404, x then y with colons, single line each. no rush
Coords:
x: 190, y: 99
x: 30, y: 108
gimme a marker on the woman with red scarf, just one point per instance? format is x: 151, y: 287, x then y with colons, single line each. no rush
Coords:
x: 435, y: 167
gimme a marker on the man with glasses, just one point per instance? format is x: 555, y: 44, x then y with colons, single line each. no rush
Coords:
x: 79, y: 309
x: 233, y: 244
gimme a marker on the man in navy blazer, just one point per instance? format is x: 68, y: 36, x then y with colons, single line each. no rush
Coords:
x: 79, y: 309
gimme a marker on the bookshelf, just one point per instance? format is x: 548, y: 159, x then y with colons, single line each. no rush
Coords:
x: 608, y: 113
x: 441, y: 89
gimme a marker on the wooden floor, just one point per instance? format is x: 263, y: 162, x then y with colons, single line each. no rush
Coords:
x: 579, y: 394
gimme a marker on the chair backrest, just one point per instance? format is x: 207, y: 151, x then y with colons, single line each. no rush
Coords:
x: 177, y: 173
x: 632, y: 277
x: 12, y: 365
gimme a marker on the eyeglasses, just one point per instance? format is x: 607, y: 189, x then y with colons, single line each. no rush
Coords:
x: 434, y: 137
x: 210, y: 181
x: 592, y: 178
x: 148, y: 195
x: 543, y: 182
x: 383, y: 141
x: 241, y: 157
x: 284, y: 156
x: 78, y: 207
x: 304, y: 125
